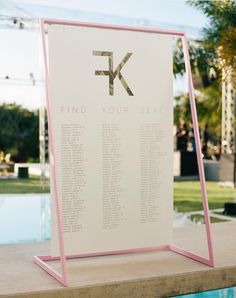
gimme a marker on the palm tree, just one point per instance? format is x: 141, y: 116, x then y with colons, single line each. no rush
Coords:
x: 220, y: 44
x: 215, y: 52
x: 219, y: 37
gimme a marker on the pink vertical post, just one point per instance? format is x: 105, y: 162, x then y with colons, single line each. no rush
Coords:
x: 198, y: 148
x: 64, y: 274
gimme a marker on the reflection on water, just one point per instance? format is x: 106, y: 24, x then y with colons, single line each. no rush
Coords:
x: 26, y: 218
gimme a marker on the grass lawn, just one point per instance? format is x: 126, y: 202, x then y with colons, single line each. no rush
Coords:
x: 187, y: 195
x: 31, y: 185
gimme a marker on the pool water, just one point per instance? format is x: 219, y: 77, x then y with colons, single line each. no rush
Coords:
x: 24, y: 218
x: 222, y: 293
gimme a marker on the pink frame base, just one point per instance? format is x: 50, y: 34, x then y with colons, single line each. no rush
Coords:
x: 41, y: 260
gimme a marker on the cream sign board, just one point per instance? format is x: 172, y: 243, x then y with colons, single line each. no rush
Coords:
x: 111, y: 107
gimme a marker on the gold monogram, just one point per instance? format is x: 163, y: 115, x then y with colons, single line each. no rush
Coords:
x: 113, y: 74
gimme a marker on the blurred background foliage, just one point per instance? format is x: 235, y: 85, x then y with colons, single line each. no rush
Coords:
x: 214, y: 52
x: 19, y: 133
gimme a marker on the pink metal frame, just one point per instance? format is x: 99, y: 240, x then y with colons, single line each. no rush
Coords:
x: 41, y: 260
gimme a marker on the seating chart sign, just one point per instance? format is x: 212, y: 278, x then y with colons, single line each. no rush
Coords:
x: 111, y: 106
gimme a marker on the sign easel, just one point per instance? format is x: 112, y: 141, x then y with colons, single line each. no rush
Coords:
x: 113, y: 73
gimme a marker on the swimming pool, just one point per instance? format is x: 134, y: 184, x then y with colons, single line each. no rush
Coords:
x: 221, y: 293
x: 24, y: 218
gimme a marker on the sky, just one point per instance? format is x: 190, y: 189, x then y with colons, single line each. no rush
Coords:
x: 19, y: 56
x: 20, y: 49
x: 167, y: 11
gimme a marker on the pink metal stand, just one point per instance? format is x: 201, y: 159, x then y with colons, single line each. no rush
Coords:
x: 41, y: 260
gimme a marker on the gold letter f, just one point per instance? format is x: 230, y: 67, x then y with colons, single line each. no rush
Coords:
x: 113, y: 74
